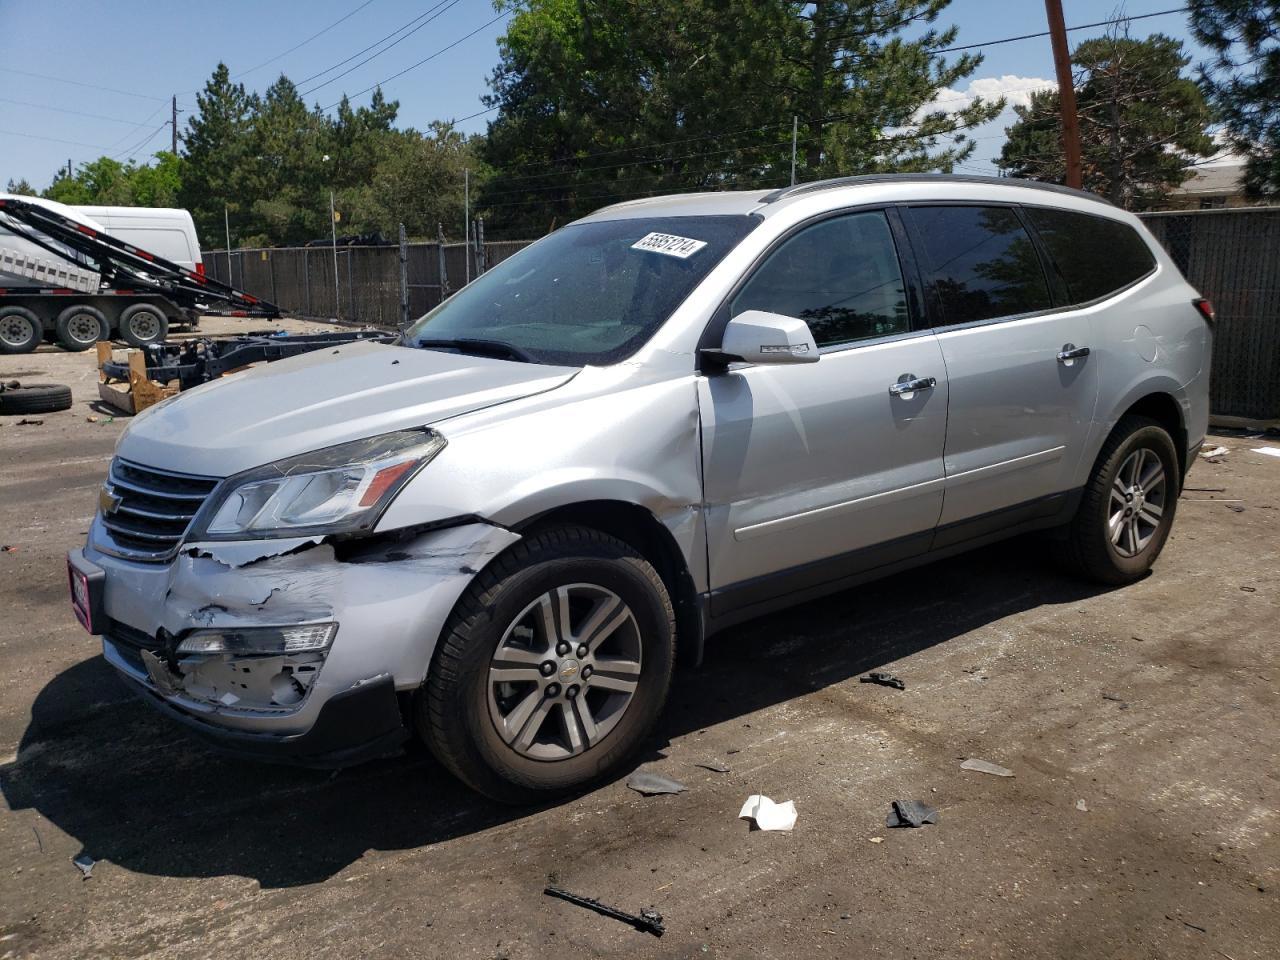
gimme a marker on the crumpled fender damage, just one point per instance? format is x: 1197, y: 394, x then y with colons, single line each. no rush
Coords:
x: 390, y: 596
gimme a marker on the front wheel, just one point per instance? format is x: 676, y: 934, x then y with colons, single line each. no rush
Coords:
x: 20, y: 330
x: 1128, y: 505
x: 552, y: 669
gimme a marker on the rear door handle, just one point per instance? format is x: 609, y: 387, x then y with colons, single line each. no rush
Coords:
x: 1071, y: 352
x: 910, y: 384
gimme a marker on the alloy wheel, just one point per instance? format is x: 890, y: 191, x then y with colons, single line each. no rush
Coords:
x: 565, y: 672
x: 1138, y: 500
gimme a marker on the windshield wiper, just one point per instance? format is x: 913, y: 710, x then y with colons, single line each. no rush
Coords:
x: 481, y: 347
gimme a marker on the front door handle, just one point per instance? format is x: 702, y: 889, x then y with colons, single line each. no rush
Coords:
x: 910, y: 384
x: 1071, y: 352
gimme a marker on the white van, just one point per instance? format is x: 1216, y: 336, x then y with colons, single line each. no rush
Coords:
x: 168, y: 232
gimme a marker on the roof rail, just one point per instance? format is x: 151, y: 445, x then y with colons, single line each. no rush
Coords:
x: 800, y: 189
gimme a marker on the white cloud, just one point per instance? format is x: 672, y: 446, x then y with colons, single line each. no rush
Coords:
x: 1016, y: 91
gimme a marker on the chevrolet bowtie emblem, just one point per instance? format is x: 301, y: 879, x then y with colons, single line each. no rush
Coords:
x: 108, y: 499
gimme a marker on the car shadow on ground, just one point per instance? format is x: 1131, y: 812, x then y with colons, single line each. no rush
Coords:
x: 137, y: 790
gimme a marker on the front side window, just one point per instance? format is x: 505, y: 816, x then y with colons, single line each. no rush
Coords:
x: 1095, y: 255
x: 591, y: 293
x: 841, y: 276
x: 981, y: 263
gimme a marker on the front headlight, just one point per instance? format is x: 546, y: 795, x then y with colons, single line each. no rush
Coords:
x: 342, y: 489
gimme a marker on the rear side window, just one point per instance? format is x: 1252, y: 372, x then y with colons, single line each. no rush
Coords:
x: 981, y: 262
x: 1095, y: 256
x: 841, y: 276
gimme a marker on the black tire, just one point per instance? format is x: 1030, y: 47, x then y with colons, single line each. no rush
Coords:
x: 143, y: 324
x: 1087, y: 548
x: 20, y: 330
x: 75, y: 323
x: 41, y: 398
x: 452, y: 710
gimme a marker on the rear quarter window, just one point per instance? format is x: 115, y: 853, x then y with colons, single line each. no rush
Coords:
x: 1096, y: 256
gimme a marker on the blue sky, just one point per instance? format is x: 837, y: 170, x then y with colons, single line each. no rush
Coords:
x: 126, y: 58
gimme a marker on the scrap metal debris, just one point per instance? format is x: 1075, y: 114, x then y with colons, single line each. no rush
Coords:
x: 647, y: 921
x: 910, y: 813
x: 713, y: 767
x: 85, y: 863
x: 883, y: 679
x: 985, y: 766
x: 767, y: 814
x: 651, y: 784
x: 25, y: 422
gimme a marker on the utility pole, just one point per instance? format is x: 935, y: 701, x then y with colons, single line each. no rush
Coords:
x: 174, y: 124
x: 1066, y: 92
x: 333, y: 225
x: 466, y: 221
x: 68, y: 168
x: 795, y: 127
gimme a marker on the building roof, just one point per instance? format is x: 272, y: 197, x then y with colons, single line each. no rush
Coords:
x: 1214, y: 180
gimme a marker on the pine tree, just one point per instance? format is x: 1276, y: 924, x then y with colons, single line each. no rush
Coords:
x: 215, y: 146
x: 1243, y: 81
x: 1141, y: 122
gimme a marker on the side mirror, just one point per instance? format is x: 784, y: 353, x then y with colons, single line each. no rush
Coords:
x: 756, y: 336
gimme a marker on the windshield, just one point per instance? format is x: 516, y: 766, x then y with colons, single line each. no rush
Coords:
x: 591, y: 293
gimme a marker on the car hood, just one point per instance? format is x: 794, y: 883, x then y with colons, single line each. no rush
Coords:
x: 319, y: 399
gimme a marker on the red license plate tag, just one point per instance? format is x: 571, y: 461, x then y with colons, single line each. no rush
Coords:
x: 81, y: 602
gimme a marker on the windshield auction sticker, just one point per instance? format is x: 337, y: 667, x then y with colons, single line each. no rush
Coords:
x: 669, y: 244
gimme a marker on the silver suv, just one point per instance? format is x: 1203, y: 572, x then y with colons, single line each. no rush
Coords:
x: 666, y: 418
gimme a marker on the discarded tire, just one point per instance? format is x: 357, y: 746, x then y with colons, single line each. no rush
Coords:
x: 40, y: 398
x: 142, y: 324
x: 81, y: 326
x: 20, y: 330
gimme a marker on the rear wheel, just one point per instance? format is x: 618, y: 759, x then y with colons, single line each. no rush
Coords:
x: 81, y: 326
x: 20, y: 330
x: 1128, y: 505
x: 553, y: 668
x: 143, y: 324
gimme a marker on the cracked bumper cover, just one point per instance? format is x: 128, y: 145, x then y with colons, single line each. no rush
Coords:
x: 390, y: 602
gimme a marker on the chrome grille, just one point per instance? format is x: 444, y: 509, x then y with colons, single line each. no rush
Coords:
x: 152, y: 509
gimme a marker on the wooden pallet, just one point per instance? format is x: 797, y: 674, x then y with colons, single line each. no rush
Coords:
x: 134, y: 395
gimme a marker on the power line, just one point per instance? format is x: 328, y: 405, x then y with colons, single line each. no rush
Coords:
x: 141, y: 143
x: 77, y: 83
x: 405, y: 26
x: 36, y: 136
x: 414, y: 66
x: 297, y: 46
x: 129, y: 135
x: 1045, y: 33
x: 78, y: 113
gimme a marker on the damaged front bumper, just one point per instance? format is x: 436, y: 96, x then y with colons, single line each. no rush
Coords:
x: 333, y: 706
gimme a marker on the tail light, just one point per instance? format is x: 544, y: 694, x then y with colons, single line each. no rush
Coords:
x: 1205, y: 308
x: 200, y: 268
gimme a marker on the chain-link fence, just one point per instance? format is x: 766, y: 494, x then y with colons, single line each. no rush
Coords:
x: 368, y: 287
x: 1233, y: 258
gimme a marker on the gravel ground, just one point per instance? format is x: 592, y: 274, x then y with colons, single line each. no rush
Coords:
x: 1141, y: 725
